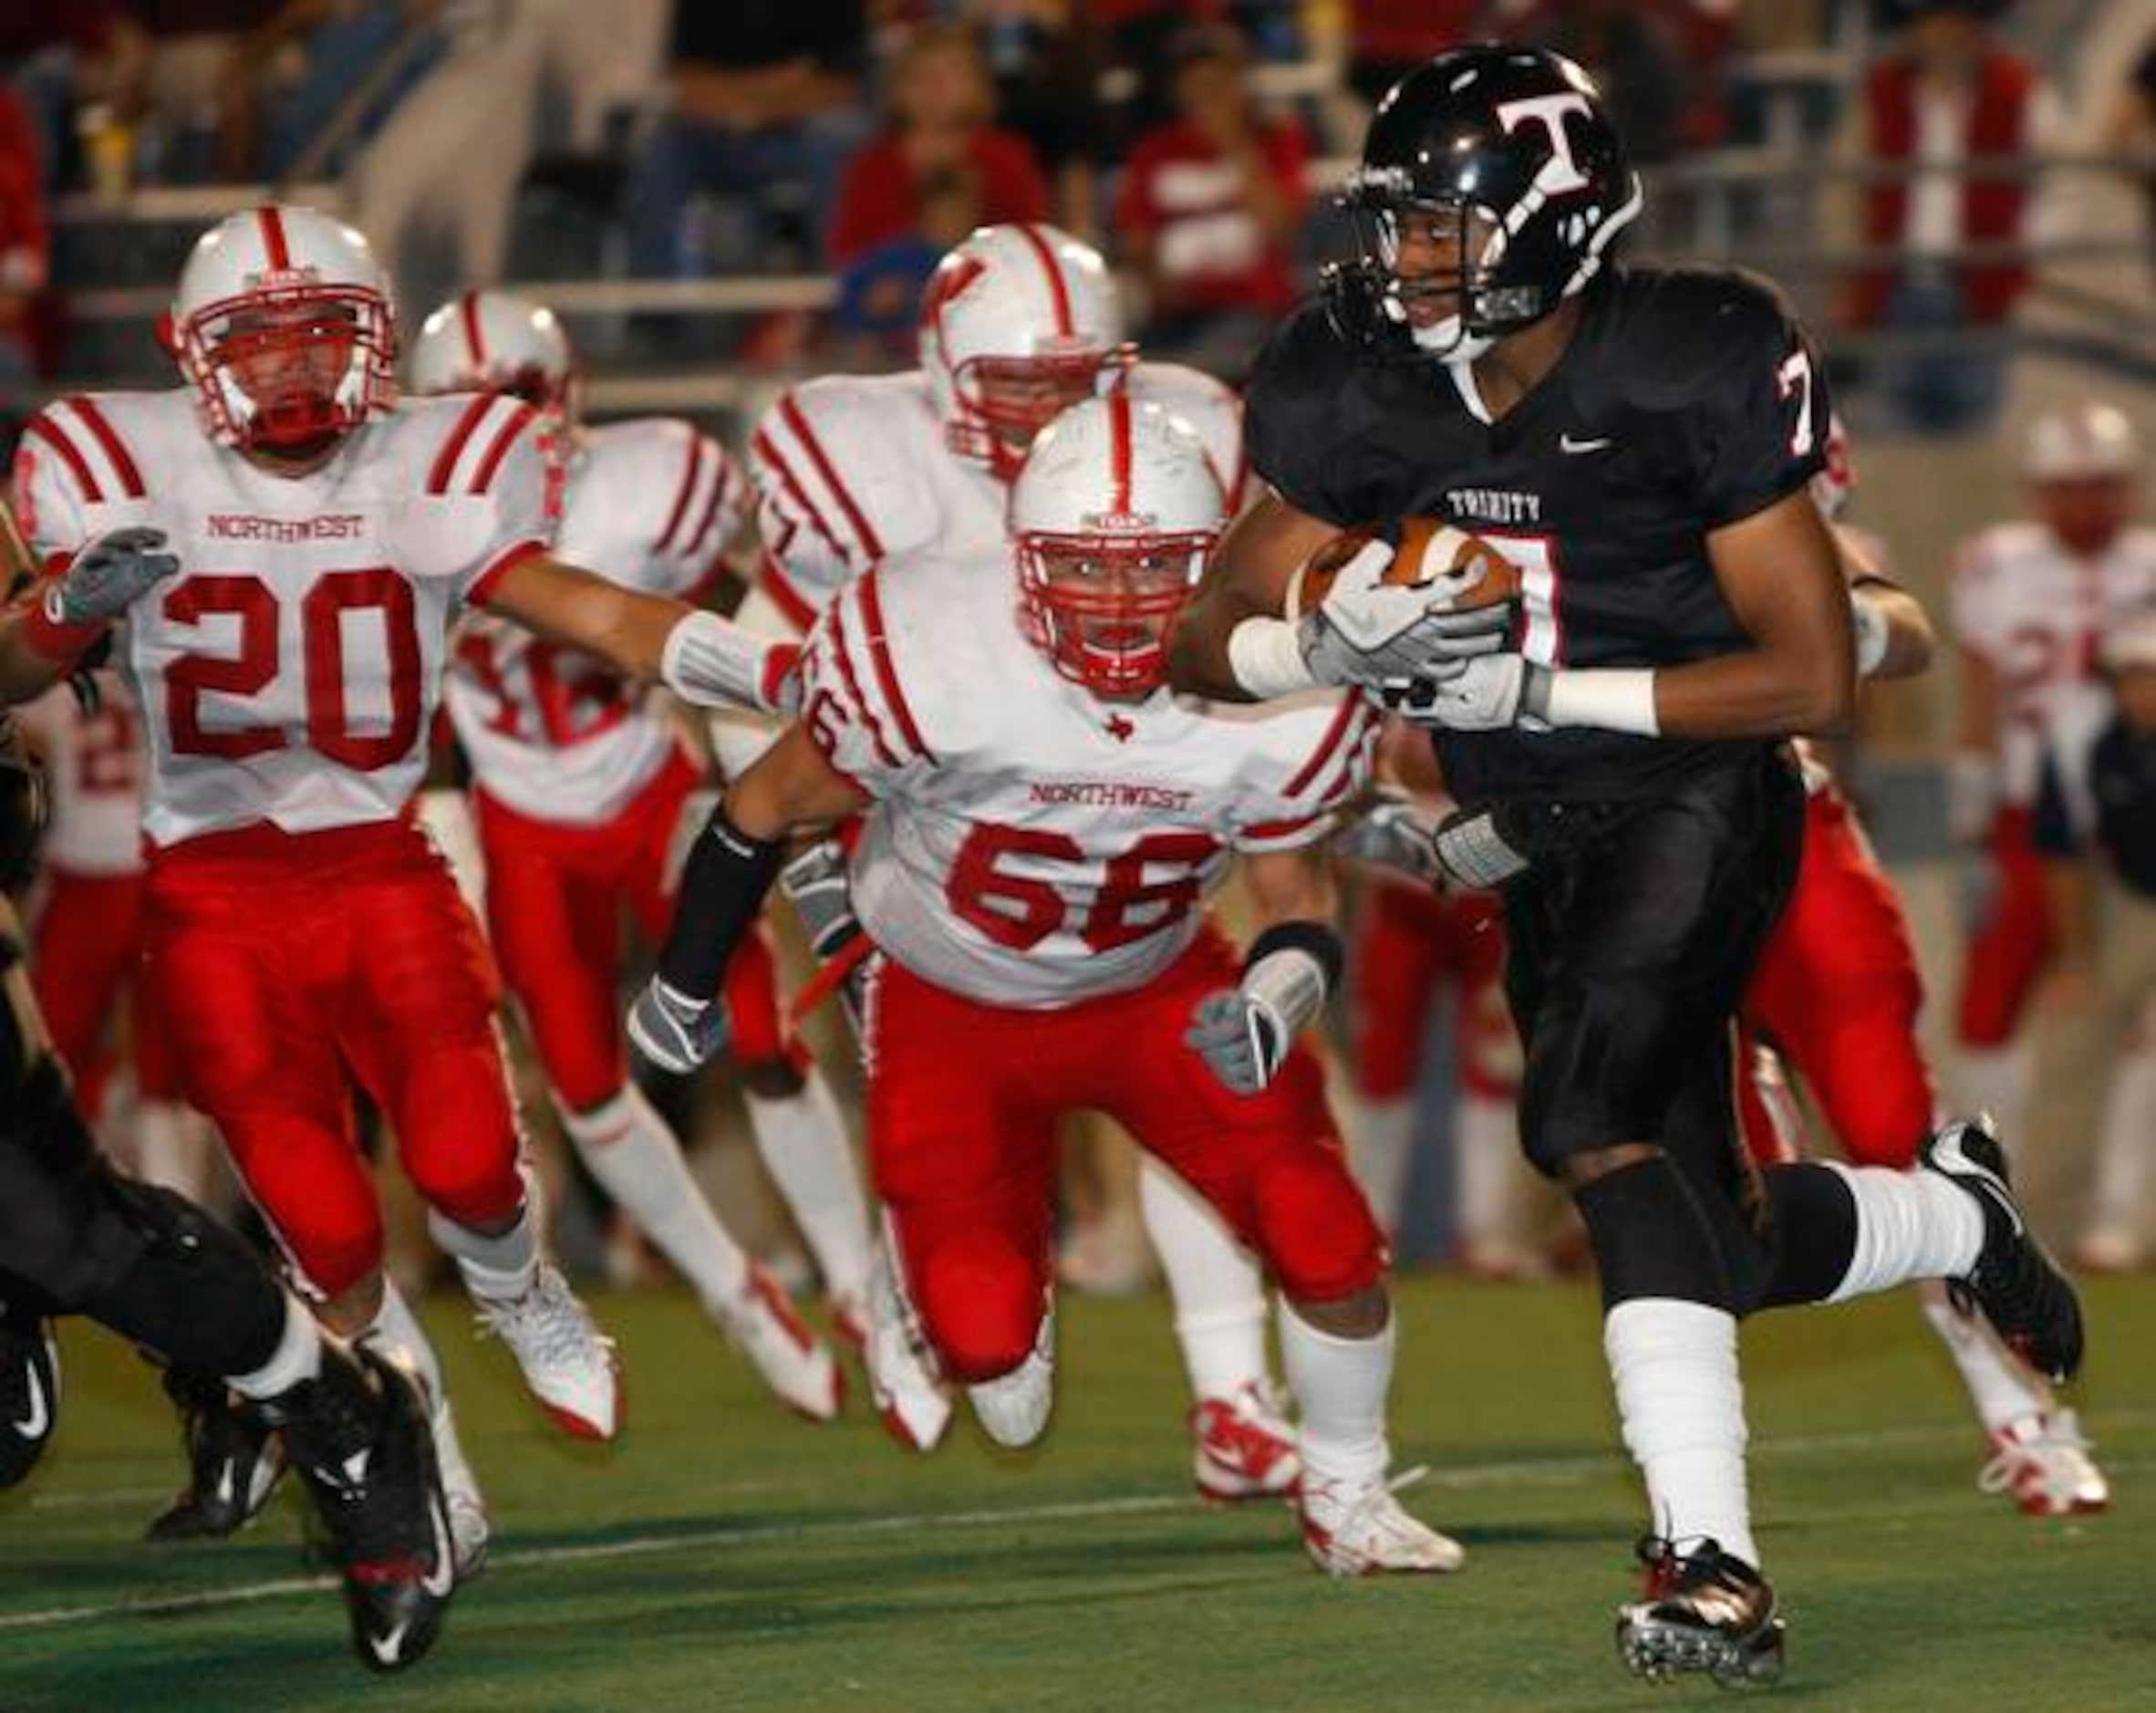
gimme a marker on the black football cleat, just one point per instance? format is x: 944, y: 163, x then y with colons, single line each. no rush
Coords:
x: 357, y: 1436
x: 1705, y: 1611
x: 2030, y: 1303
x: 233, y: 1456
x: 29, y: 1391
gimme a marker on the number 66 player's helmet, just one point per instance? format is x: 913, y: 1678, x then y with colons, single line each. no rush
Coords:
x: 1503, y: 164
x: 1114, y: 514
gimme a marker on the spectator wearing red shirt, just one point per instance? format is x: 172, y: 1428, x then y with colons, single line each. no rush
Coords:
x: 942, y: 124
x: 940, y: 169
x: 1212, y: 204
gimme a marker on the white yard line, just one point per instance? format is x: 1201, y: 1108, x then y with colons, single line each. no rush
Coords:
x: 1536, y: 1471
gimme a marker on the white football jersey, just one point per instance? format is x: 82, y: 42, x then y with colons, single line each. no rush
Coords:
x: 2039, y: 614
x: 94, y: 770
x: 552, y: 732
x: 288, y: 674
x: 1032, y: 845
x: 852, y: 470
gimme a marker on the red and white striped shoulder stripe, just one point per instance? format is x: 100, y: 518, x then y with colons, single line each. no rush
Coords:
x: 476, y: 446
x: 80, y: 434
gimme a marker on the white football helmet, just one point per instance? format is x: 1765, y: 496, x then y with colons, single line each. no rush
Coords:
x: 1016, y: 324
x: 496, y: 342
x: 283, y: 324
x: 2086, y: 440
x: 1113, y: 515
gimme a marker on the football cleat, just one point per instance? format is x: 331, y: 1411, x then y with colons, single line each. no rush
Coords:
x: 360, y: 1440
x: 2029, y: 1302
x: 1012, y: 1408
x: 1705, y: 1611
x: 470, y: 1528
x: 1245, y: 1447
x: 568, y: 1363
x: 2043, y: 1460
x: 675, y: 1032
x: 1359, y: 1528
x: 904, y: 1376
x: 233, y: 1458
x: 29, y: 1392
x: 762, y: 1324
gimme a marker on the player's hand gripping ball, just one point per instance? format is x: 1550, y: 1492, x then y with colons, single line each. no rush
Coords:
x: 1418, y: 598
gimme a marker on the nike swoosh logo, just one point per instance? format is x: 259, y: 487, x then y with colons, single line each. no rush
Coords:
x: 1949, y: 1148
x: 387, y: 1648
x: 224, y: 1484
x: 33, y: 1426
x: 1572, y: 448
x: 442, y: 1577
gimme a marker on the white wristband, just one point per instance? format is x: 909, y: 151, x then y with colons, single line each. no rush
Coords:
x: 714, y: 664
x: 1613, y: 699
x: 1290, y: 984
x: 1266, y: 656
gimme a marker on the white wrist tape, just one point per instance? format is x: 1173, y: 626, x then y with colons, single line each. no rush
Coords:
x: 1290, y: 984
x: 1613, y: 699
x: 1266, y: 656
x: 715, y: 664
x: 1872, y: 631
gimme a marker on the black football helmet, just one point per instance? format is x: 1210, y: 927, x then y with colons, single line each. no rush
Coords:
x: 1510, y: 148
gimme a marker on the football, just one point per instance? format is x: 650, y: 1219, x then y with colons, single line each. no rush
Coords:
x: 1433, y: 553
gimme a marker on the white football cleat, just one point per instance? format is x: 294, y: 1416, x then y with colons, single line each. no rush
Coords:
x: 1245, y: 1447
x: 1014, y: 1407
x: 470, y: 1530
x: 903, y: 1377
x: 1359, y: 1529
x: 2044, y: 1461
x: 762, y: 1324
x: 568, y: 1363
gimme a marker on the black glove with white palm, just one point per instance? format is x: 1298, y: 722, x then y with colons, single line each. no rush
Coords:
x: 1245, y: 1034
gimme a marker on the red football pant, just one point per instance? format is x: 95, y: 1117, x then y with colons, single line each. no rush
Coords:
x: 963, y: 1100
x: 1411, y: 941
x: 1837, y: 993
x: 554, y: 897
x: 87, y: 953
x: 291, y: 966
x: 2010, y: 951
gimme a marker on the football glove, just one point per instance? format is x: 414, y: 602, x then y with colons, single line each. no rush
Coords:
x: 1245, y: 1034
x: 112, y: 573
x: 1367, y: 631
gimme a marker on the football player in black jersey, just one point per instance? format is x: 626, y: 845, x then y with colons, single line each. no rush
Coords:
x: 77, y: 1237
x: 1638, y: 443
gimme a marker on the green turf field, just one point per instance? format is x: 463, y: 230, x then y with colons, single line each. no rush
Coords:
x: 723, y: 1556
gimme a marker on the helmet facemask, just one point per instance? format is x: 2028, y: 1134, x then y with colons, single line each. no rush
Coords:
x: 290, y: 370
x: 1449, y: 300
x: 1001, y: 403
x: 1100, y: 605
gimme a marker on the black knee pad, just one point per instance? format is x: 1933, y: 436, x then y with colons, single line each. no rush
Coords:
x: 194, y: 1292
x: 1651, y: 1237
x: 1815, y: 1234
x: 60, y: 1226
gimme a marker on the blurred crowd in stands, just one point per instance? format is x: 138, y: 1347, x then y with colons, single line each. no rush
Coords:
x: 860, y: 137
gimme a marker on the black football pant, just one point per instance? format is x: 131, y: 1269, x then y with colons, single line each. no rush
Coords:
x: 1631, y: 943
x: 77, y: 1237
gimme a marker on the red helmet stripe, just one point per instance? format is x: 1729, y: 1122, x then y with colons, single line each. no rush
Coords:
x: 1059, y: 294
x: 271, y: 219
x: 1119, y: 451
x: 476, y: 339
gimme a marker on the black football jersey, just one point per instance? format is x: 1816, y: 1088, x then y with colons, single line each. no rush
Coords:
x: 1688, y: 399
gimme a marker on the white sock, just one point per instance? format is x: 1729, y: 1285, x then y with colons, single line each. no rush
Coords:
x: 1490, y: 1173
x: 2002, y: 1388
x: 803, y: 1141
x: 1993, y: 1080
x: 396, y: 1331
x: 627, y: 1146
x: 1381, y: 1151
x: 1681, y: 1403
x: 1910, y: 1225
x: 171, y: 1149
x: 1340, y: 1386
x: 502, y: 1267
x: 298, y: 1356
x: 2126, y: 1147
x: 1217, y: 1291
